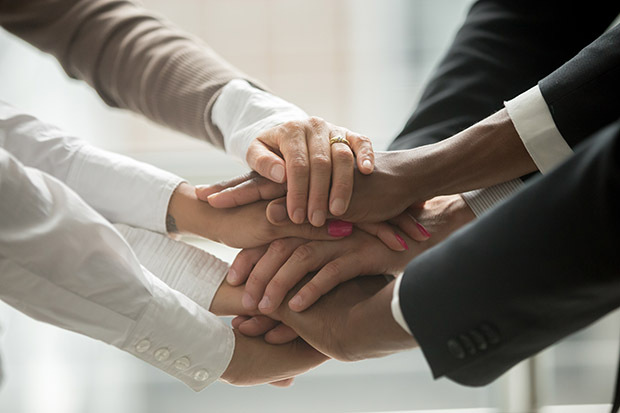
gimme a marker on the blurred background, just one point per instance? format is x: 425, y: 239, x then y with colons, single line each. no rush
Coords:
x: 357, y: 63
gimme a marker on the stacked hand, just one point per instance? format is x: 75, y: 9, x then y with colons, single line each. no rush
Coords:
x: 286, y: 217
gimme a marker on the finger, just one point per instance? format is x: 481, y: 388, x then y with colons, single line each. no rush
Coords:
x: 276, y: 212
x: 342, y: 178
x: 335, y: 272
x: 257, y: 326
x: 241, y: 267
x: 203, y: 191
x: 252, y: 190
x: 410, y: 226
x: 283, y: 383
x: 320, y: 171
x: 277, y: 253
x: 305, y: 258
x: 263, y: 160
x: 238, y: 320
x: 365, y: 155
x: 386, y: 233
x: 295, y: 152
x: 281, y: 334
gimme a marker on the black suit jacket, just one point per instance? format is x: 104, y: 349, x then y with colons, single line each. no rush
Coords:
x: 546, y: 263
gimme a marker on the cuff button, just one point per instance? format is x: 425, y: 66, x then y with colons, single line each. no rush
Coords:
x: 143, y: 346
x: 162, y: 354
x: 182, y: 363
x: 201, y: 375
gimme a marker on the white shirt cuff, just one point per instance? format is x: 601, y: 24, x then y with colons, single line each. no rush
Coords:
x: 397, y: 312
x: 183, y: 267
x: 181, y: 338
x: 242, y: 112
x: 121, y: 188
x: 534, y: 124
x: 481, y: 200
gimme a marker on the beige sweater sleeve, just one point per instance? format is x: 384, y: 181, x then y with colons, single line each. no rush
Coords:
x: 133, y: 59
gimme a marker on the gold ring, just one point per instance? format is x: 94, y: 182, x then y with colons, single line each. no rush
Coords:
x: 339, y: 139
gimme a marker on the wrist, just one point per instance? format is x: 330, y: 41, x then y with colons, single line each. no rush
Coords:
x: 376, y: 332
x: 189, y: 215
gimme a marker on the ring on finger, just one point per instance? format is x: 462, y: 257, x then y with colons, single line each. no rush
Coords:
x: 339, y: 139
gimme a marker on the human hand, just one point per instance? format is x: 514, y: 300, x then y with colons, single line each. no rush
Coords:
x: 399, y: 180
x: 315, y: 171
x: 241, y: 227
x: 255, y: 361
x: 270, y: 272
x: 352, y: 322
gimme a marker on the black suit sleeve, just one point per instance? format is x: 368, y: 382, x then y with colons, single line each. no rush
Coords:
x: 583, y: 94
x: 503, y: 48
x: 540, y: 266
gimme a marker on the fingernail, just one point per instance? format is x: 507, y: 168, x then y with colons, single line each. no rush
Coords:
x: 278, y: 212
x: 367, y: 164
x: 265, y: 303
x: 402, y: 241
x: 318, y: 218
x: 233, y: 277
x: 298, y: 215
x: 340, y: 228
x: 423, y: 230
x: 277, y: 173
x: 296, y: 302
x: 248, y: 302
x: 337, y: 207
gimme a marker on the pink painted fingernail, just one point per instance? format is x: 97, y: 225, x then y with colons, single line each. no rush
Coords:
x: 296, y: 302
x: 423, y: 230
x: 402, y: 241
x: 367, y: 164
x: 340, y: 228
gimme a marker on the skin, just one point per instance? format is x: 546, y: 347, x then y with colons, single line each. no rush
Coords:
x: 274, y: 270
x: 241, y: 227
x: 485, y: 154
x: 318, y: 175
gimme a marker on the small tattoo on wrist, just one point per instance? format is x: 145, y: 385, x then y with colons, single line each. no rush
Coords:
x: 171, y: 225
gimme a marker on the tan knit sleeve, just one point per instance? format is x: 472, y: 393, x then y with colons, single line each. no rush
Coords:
x: 134, y: 59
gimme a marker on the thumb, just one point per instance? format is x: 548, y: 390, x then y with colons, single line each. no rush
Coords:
x: 264, y: 161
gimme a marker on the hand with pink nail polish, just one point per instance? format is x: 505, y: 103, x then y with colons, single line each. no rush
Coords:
x: 269, y: 273
x: 240, y: 227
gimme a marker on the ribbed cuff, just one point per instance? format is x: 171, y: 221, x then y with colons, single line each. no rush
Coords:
x: 185, y: 268
x: 481, y: 200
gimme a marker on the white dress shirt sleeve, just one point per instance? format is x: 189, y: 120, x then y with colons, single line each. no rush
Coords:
x: 118, y: 187
x: 183, y: 267
x: 533, y: 121
x: 242, y: 112
x: 64, y: 264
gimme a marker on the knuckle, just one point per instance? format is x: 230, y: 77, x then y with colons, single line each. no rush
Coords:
x: 278, y: 247
x: 262, y: 161
x: 316, y: 122
x: 321, y: 162
x: 303, y: 253
x: 299, y: 163
x: 343, y: 155
x: 333, y: 269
